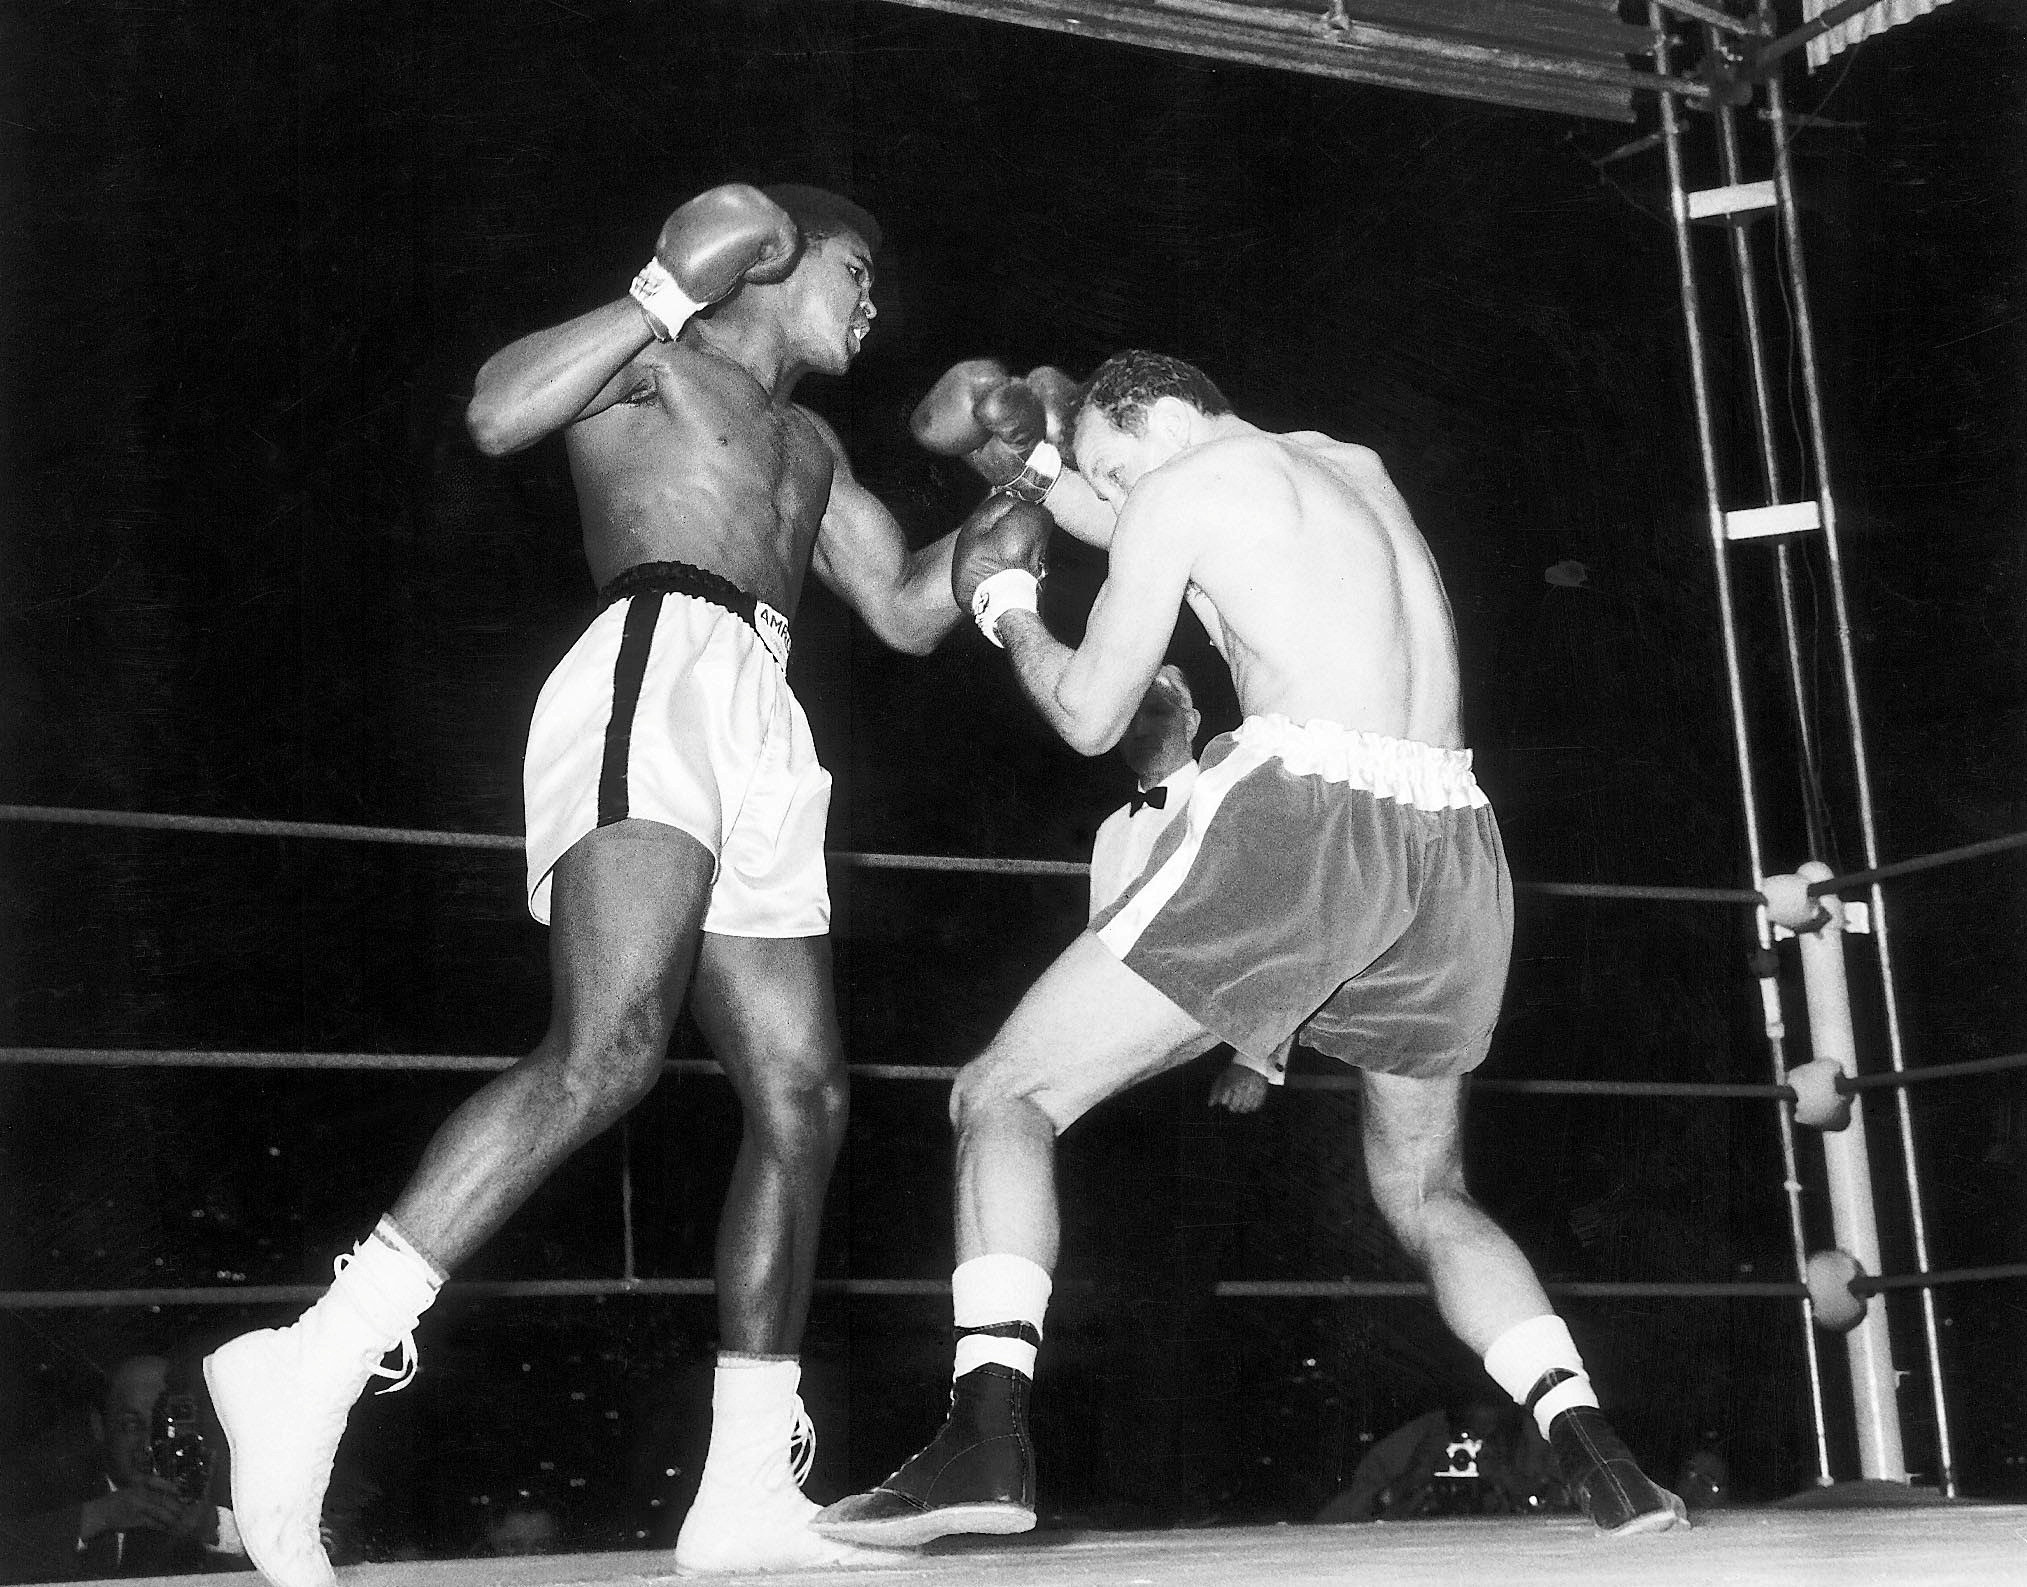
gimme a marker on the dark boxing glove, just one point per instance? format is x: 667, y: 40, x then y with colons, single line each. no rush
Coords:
x: 708, y: 248
x: 999, y: 560
x: 1008, y: 430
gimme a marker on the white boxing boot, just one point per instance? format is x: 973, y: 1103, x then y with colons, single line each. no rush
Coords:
x: 750, y: 1513
x: 282, y: 1396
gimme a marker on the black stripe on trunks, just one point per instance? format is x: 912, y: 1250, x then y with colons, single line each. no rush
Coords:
x: 629, y: 670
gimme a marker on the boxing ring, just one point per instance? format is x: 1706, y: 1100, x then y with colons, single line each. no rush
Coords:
x: 1889, y: 1538
x: 1835, y: 1290
x: 1837, y: 1294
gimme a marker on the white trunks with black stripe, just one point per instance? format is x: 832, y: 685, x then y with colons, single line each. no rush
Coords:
x: 674, y: 706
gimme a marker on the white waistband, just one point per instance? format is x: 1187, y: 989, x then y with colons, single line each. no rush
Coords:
x: 1421, y: 775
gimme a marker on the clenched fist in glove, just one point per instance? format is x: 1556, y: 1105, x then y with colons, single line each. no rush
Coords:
x: 999, y: 559
x: 718, y: 240
x: 1008, y: 430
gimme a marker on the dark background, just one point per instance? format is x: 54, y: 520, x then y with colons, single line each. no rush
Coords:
x: 253, y: 567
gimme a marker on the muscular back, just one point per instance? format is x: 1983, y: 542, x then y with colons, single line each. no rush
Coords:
x: 1329, y: 600
x: 693, y: 463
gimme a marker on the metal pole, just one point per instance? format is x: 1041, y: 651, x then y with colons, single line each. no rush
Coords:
x: 1798, y: 1234
x: 1875, y: 1387
x: 1805, y: 342
x: 1692, y: 318
x: 1745, y: 275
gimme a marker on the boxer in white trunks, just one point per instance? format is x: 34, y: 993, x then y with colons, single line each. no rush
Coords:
x: 675, y: 846
x: 1337, y: 871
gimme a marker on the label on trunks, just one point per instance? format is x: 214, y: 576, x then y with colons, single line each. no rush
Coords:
x: 772, y: 628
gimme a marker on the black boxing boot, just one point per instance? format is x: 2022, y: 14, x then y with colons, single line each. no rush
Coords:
x: 1602, y: 1476
x: 976, y: 1475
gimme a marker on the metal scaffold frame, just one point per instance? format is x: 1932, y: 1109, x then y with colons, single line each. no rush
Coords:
x: 1797, y: 526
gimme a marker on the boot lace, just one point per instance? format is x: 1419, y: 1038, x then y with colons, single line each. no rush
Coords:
x: 402, y: 1374
x: 801, y: 1444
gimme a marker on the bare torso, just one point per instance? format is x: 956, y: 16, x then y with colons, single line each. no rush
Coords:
x: 1324, y: 597
x: 694, y: 463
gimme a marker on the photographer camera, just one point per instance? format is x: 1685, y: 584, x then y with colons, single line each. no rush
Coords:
x: 128, y: 1494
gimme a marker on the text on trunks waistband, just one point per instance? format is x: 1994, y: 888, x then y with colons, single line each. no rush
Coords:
x: 680, y: 578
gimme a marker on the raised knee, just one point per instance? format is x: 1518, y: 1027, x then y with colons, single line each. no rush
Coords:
x: 968, y: 1093
x: 983, y: 1088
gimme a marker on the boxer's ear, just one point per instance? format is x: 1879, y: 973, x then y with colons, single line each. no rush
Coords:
x: 1171, y: 419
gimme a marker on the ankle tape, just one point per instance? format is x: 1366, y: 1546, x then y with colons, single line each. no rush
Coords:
x: 1543, y: 1384
x: 1012, y: 1344
x: 1026, y: 1332
x: 1558, y: 1392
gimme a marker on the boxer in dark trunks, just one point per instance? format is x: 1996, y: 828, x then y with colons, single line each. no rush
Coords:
x: 1337, y: 871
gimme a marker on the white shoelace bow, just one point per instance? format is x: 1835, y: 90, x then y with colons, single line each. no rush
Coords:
x: 801, y: 1444
x: 401, y: 1375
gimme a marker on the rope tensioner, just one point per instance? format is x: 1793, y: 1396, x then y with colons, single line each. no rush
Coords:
x: 1839, y: 1289
x: 1822, y: 1095
x: 1798, y: 904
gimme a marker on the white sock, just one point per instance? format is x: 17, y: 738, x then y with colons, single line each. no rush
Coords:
x: 990, y: 1290
x: 1528, y: 1351
x: 743, y: 1384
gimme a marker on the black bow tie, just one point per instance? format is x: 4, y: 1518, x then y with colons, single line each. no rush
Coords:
x: 1158, y: 797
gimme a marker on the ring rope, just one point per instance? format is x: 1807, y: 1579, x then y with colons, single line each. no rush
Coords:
x: 1225, y: 1289
x: 198, y: 1058
x: 1666, y: 895
x: 246, y: 827
x: 420, y: 1063
x: 203, y: 1058
x: 1878, y: 873
x: 1970, y: 1066
x: 1628, y: 1289
x: 630, y: 1285
x: 475, y: 1289
x: 250, y: 827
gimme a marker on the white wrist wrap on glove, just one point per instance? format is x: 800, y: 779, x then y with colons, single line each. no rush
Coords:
x: 667, y: 306
x: 1040, y: 469
x: 1008, y: 590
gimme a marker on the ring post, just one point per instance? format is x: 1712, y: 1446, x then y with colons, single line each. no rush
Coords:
x: 1875, y: 1387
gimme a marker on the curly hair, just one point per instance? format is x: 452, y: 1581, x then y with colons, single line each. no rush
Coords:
x: 1127, y: 384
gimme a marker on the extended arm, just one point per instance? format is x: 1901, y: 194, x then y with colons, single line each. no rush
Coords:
x: 862, y: 555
